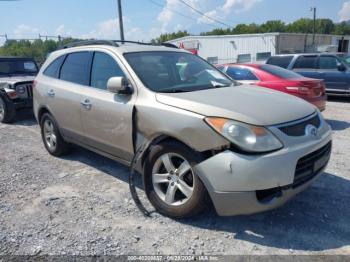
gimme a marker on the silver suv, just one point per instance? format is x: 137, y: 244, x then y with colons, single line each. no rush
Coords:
x: 249, y: 149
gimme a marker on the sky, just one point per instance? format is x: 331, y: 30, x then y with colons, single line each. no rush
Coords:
x: 146, y: 19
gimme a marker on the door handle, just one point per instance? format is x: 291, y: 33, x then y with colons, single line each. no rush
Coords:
x: 86, y: 104
x: 51, y: 93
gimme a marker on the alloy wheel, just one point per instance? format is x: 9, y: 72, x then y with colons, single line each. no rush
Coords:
x: 173, y: 179
x: 2, y: 110
x: 49, y: 134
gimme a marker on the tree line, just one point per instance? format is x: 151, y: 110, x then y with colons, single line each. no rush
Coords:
x: 303, y: 25
x: 39, y: 49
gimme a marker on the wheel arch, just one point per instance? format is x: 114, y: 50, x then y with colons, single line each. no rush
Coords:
x: 159, y: 139
x: 42, y: 110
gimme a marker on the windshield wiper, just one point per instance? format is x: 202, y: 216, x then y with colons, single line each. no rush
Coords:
x: 174, y: 90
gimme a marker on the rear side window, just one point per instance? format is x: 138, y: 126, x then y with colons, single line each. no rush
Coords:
x: 103, y: 68
x: 76, y: 68
x: 240, y: 74
x: 280, y: 72
x: 328, y: 62
x: 281, y: 61
x: 53, y: 70
x: 306, y: 62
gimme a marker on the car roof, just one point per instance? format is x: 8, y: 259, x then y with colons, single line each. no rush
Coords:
x: 310, y: 54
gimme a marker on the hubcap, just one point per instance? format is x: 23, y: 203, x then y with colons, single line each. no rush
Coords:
x: 50, y: 136
x: 2, y: 109
x: 173, y: 179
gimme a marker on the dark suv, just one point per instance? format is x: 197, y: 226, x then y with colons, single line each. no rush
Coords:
x: 16, y: 80
x: 333, y: 68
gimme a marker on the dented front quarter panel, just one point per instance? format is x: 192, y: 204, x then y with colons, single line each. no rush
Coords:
x: 155, y: 119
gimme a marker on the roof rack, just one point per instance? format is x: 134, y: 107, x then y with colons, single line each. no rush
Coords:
x: 113, y: 43
x: 90, y: 42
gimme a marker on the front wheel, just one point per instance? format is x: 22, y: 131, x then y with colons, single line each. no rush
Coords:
x: 7, y: 112
x: 171, y: 184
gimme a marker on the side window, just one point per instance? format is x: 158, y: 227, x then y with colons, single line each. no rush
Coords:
x: 244, y: 58
x: 53, y: 70
x: 103, y: 68
x: 76, y: 68
x: 263, y: 56
x: 328, y: 62
x: 240, y: 74
x: 306, y: 62
x: 213, y: 60
x: 281, y: 61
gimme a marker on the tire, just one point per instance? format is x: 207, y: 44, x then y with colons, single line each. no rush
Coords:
x: 52, y: 139
x: 7, y: 110
x: 169, y: 191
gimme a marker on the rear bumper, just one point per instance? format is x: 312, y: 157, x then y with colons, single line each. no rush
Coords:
x: 319, y: 102
x: 338, y: 92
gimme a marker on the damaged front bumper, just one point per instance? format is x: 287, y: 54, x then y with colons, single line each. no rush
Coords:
x: 244, y: 184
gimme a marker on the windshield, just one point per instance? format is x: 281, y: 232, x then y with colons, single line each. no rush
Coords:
x: 170, y: 72
x: 10, y: 67
x: 280, y: 72
x: 345, y: 59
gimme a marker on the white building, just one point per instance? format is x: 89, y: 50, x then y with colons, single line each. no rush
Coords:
x: 258, y: 47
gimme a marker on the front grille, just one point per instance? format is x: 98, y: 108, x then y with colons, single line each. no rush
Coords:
x: 309, y: 166
x: 299, y: 128
x: 29, y: 88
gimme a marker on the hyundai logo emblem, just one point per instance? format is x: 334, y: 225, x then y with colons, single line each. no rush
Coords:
x: 311, y: 130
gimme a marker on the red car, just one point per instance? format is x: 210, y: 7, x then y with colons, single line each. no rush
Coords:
x: 312, y: 90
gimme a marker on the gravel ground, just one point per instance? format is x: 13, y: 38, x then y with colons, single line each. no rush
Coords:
x: 81, y: 205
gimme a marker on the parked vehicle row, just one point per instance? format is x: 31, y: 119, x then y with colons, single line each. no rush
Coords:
x: 247, y: 148
x: 334, y: 69
x: 277, y: 78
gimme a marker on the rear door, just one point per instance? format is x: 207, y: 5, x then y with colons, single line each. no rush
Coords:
x: 64, y: 94
x: 107, y: 117
x: 335, y: 80
x: 307, y: 65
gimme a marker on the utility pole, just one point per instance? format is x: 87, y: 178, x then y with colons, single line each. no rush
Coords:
x: 121, y: 26
x: 313, y: 9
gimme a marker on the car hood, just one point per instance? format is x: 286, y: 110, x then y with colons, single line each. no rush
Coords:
x: 249, y: 104
x: 16, y: 79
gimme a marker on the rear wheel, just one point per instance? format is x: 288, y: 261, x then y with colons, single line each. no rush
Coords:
x: 7, y: 112
x: 53, y: 141
x: 171, y: 184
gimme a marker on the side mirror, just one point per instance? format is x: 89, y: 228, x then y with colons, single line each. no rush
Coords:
x: 119, y: 85
x: 341, y: 68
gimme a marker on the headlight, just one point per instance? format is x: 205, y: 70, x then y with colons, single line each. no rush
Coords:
x: 247, y: 137
x: 21, y: 90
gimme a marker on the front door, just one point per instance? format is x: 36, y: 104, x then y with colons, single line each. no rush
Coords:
x: 335, y: 80
x: 107, y: 117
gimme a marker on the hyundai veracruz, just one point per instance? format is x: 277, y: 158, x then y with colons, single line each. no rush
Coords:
x: 248, y: 149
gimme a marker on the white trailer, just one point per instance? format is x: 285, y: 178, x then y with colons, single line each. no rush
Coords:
x: 219, y: 49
